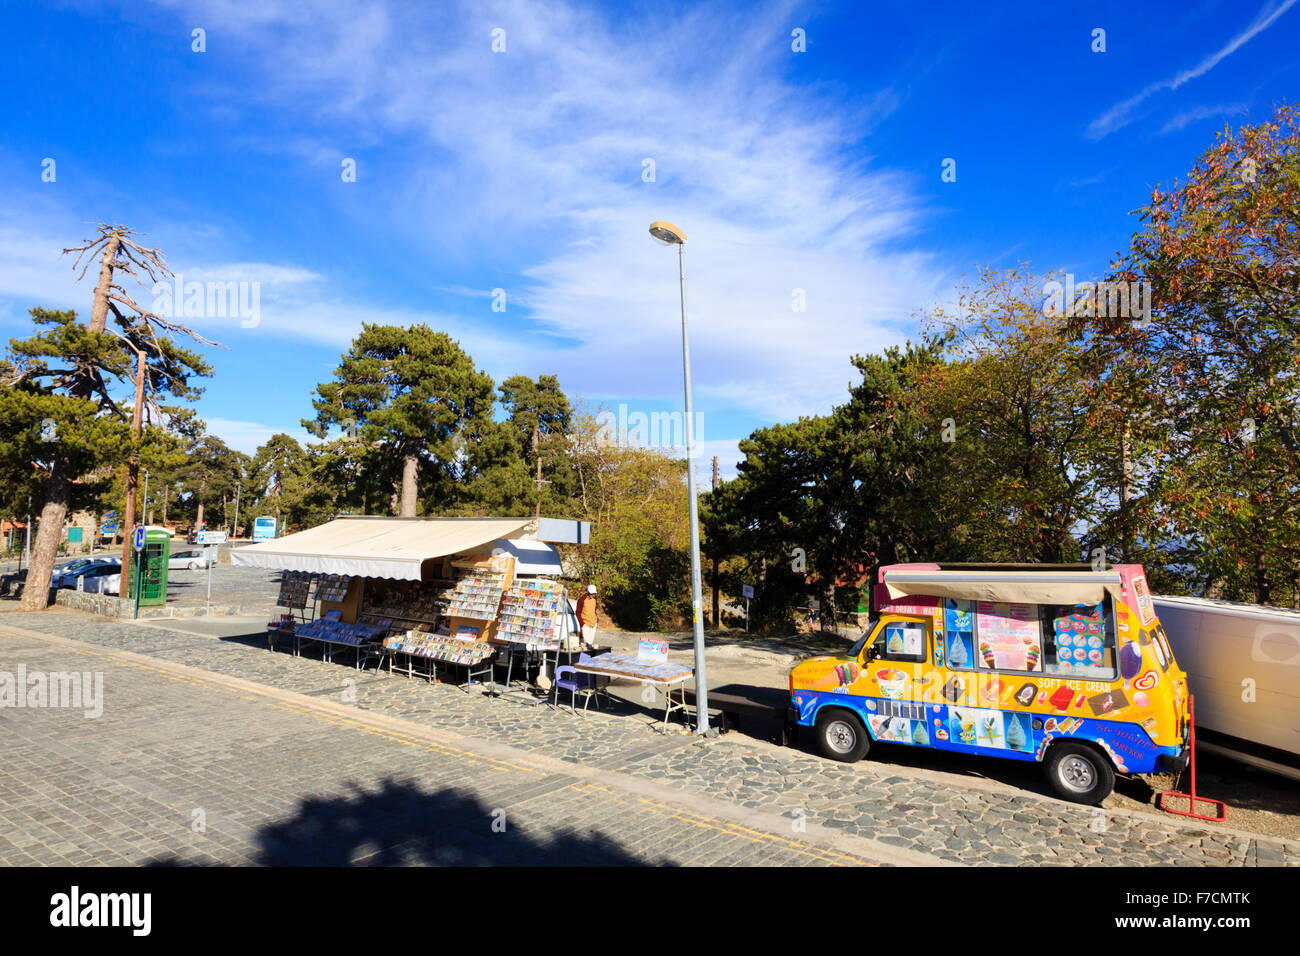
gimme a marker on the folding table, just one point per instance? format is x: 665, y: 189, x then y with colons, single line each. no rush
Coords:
x: 663, y: 677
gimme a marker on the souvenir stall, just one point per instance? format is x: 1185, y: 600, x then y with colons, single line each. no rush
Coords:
x: 427, y: 596
x: 446, y: 621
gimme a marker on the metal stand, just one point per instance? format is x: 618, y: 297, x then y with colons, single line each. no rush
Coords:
x: 521, y: 693
x: 1191, y: 798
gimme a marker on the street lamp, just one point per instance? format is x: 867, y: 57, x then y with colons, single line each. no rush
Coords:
x: 668, y: 233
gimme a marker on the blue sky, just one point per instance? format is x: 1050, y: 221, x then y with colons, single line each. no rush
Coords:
x: 524, y: 170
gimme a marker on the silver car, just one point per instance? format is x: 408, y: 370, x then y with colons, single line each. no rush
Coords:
x: 188, y: 560
x: 76, y: 577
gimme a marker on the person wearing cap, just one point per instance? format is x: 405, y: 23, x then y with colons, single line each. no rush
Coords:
x: 587, y: 616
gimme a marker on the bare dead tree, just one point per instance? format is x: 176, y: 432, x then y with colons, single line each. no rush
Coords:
x: 142, y: 332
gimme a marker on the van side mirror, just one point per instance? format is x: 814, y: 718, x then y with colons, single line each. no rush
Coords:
x: 873, y: 650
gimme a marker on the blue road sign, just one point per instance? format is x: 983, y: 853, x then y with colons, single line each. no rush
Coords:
x: 139, y: 538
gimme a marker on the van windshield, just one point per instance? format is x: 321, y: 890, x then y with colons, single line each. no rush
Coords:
x: 856, y: 649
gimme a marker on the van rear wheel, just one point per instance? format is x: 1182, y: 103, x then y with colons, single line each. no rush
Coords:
x: 841, y: 736
x: 1079, y: 773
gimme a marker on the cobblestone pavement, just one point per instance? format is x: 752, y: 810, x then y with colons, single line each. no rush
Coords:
x: 187, y: 768
x: 877, y: 804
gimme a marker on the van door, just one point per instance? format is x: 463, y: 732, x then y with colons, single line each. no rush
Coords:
x: 991, y: 678
x: 898, y: 675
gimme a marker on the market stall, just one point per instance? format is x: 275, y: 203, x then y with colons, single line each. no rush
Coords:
x: 427, y: 596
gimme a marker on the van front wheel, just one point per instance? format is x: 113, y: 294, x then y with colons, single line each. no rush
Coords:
x: 1079, y: 773
x: 841, y: 736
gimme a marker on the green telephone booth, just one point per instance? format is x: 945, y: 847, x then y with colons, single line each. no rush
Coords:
x: 153, y: 568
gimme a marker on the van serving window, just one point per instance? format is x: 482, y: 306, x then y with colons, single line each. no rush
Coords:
x: 1079, y: 640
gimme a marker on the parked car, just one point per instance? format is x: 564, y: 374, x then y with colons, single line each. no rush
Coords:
x: 102, y: 584
x: 73, y: 565
x: 96, y: 568
x: 187, y: 561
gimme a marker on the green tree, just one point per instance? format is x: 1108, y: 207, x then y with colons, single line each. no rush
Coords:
x: 1221, y: 351
x: 635, y: 499
x: 540, y: 415
x: 279, y: 479
x: 70, y: 372
x: 211, y: 471
x: 408, y: 394
x: 1035, y: 466
x: 828, y: 499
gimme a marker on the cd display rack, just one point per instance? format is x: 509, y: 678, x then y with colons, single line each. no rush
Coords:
x: 332, y: 587
x: 529, y: 614
x: 477, y: 593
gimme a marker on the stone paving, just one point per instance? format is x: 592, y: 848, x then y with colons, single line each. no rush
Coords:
x: 181, y: 769
x: 947, y: 817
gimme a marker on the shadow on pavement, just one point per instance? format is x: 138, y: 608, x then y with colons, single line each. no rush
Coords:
x: 402, y: 825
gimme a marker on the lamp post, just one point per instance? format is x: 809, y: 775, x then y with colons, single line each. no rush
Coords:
x: 667, y: 232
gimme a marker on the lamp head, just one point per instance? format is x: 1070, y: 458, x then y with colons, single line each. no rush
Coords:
x: 667, y: 232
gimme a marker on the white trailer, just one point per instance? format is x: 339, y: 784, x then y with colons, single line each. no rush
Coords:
x: 1243, y: 666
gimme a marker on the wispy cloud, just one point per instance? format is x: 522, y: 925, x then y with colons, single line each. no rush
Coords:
x: 532, y: 164
x: 1198, y: 113
x: 1121, y: 114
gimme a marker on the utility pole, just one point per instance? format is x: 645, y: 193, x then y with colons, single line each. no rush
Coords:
x: 27, y: 534
x: 133, y: 469
x: 236, y: 529
x: 716, y: 617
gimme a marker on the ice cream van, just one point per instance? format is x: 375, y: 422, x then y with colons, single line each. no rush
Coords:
x: 1065, y: 666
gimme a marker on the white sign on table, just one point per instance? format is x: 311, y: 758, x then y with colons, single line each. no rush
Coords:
x: 652, y: 651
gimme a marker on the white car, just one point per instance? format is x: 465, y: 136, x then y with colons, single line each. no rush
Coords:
x: 69, y: 575
x: 102, y: 584
x: 68, y: 569
x: 190, y: 560
x: 83, y: 576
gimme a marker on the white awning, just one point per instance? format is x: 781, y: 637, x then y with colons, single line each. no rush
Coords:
x: 375, y: 547
x: 1014, y: 587
x: 531, y: 557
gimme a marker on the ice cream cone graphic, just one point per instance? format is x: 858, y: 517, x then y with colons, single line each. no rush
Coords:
x: 967, y: 725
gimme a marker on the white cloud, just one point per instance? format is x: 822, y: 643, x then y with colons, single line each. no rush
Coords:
x: 530, y: 162
x: 1121, y: 114
x: 1198, y: 113
x: 247, y: 436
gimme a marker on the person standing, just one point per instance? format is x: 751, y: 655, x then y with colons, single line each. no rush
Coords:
x: 587, y: 616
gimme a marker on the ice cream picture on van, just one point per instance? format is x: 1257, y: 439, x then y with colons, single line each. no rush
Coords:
x: 1065, y: 667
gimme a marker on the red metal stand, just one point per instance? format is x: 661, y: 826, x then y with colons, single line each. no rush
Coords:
x: 1191, y: 798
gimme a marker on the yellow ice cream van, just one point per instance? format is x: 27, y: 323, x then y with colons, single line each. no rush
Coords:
x: 1070, y: 668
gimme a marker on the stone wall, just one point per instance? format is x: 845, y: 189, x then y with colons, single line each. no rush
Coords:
x: 110, y: 605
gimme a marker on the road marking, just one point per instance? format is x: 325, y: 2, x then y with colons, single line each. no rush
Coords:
x: 732, y: 829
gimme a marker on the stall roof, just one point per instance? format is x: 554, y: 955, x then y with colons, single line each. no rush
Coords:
x: 1027, y: 587
x: 376, y: 547
x: 531, y: 557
